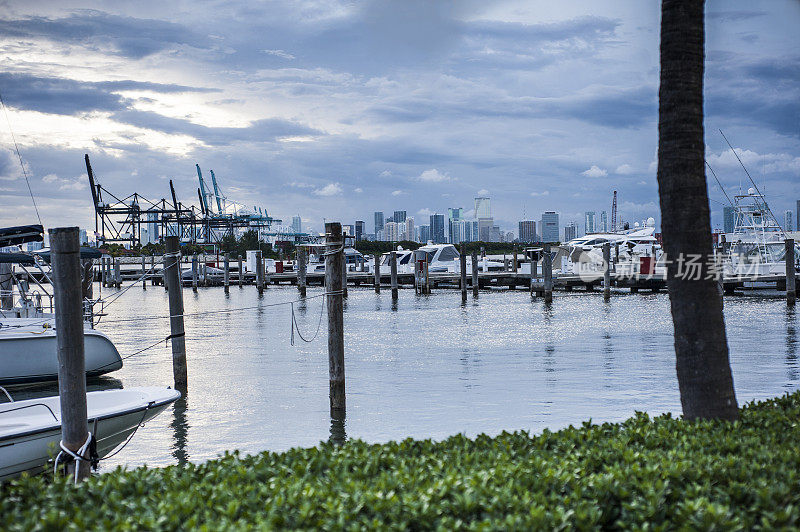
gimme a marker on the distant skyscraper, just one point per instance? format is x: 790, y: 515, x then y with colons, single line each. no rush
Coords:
x: 527, y: 231
x: 424, y: 233
x: 399, y: 216
x: 571, y: 231
x: 391, y: 231
x: 549, y: 226
x: 727, y: 219
x: 84, y: 240
x: 603, y: 222
x: 797, y: 216
x: 349, y: 229
x: 409, y: 232
x: 152, y: 228
x: 460, y: 231
x: 787, y: 221
x: 589, y: 223
x: 437, y: 229
x: 453, y: 215
x: 297, y: 224
x: 359, y: 229
x: 483, y: 207
x: 378, y: 222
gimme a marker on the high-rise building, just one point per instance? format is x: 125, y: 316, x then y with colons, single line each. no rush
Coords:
x: 527, y: 231
x: 84, y: 239
x: 399, y: 217
x: 409, y: 232
x: 152, y: 227
x: 603, y: 222
x: 359, y: 229
x: 391, y: 231
x: 424, y: 233
x: 378, y: 222
x: 549, y: 226
x: 297, y: 224
x: 453, y: 215
x: 571, y: 231
x: 727, y: 219
x: 495, y: 235
x: 589, y: 223
x: 483, y: 207
x: 437, y: 228
x: 461, y: 231
x: 349, y: 230
x: 797, y: 216
x: 787, y: 221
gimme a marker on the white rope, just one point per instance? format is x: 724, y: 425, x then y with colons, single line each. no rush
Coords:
x: 78, y: 457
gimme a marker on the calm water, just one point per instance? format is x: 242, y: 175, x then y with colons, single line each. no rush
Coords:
x: 427, y: 367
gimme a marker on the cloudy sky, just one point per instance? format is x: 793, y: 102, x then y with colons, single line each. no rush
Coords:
x: 336, y: 109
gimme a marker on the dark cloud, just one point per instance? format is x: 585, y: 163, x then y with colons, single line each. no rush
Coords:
x: 130, y: 37
x: 68, y: 96
x: 266, y: 130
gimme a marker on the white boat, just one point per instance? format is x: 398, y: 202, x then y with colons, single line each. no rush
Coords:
x: 28, y: 350
x: 757, y: 245
x: 441, y: 258
x: 30, y: 430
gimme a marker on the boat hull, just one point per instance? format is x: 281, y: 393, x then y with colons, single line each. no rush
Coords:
x: 28, y: 356
x: 30, y: 430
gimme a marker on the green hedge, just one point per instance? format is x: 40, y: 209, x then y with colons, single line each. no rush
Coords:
x: 660, y: 473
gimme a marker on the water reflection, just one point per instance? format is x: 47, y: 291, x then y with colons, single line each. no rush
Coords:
x: 791, y: 344
x: 180, y: 431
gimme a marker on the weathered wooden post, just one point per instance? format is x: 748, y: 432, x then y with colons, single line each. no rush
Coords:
x: 301, y: 271
x: 226, y: 280
x: 194, y: 273
x: 65, y: 245
x: 547, y: 266
x: 475, y: 282
x: 393, y: 268
x: 607, y: 271
x: 172, y: 280
x: 463, y: 263
x: 791, y: 294
x: 117, y: 273
x: 344, y: 274
x: 377, y: 273
x: 144, y: 273
x: 259, y: 273
x: 516, y: 260
x: 335, y: 301
x: 241, y: 271
x: 483, y: 260
x: 616, y: 256
x: 152, y: 270
x: 426, y: 277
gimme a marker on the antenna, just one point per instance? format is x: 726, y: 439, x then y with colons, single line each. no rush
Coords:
x: 754, y: 183
x: 720, y: 184
x: 614, y: 213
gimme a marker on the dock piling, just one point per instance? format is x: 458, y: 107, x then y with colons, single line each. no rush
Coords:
x: 117, y: 274
x: 194, y: 273
x: 393, y: 269
x: 335, y: 301
x: 241, y: 271
x: 463, y: 260
x: 344, y: 275
x: 301, y: 271
x: 144, y: 273
x: 607, y: 271
x: 172, y: 280
x: 226, y: 280
x: 259, y: 273
x: 377, y: 282
x: 791, y: 294
x: 547, y: 266
x: 152, y: 270
x: 475, y: 283
x: 65, y: 246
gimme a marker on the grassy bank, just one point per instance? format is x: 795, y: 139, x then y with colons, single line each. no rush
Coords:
x: 660, y: 472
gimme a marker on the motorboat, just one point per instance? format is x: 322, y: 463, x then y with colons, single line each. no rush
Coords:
x: 28, y: 350
x: 757, y: 245
x: 28, y: 345
x: 30, y: 430
x: 354, y: 260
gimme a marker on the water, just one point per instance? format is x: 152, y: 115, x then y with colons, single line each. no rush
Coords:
x: 425, y: 367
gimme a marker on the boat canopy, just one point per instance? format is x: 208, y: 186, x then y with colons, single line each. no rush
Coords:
x: 27, y: 258
x: 12, y: 236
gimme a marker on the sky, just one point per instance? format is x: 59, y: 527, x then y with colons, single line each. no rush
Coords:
x: 333, y: 110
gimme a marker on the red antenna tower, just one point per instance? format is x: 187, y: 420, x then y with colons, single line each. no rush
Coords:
x: 614, y: 213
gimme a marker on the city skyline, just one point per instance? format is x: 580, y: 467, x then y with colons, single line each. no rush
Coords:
x: 268, y: 102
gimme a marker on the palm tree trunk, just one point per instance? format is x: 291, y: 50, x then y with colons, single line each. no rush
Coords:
x: 701, y: 348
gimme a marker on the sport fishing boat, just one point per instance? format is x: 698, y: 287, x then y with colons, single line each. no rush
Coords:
x: 27, y: 323
x: 757, y: 246
x: 30, y: 430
